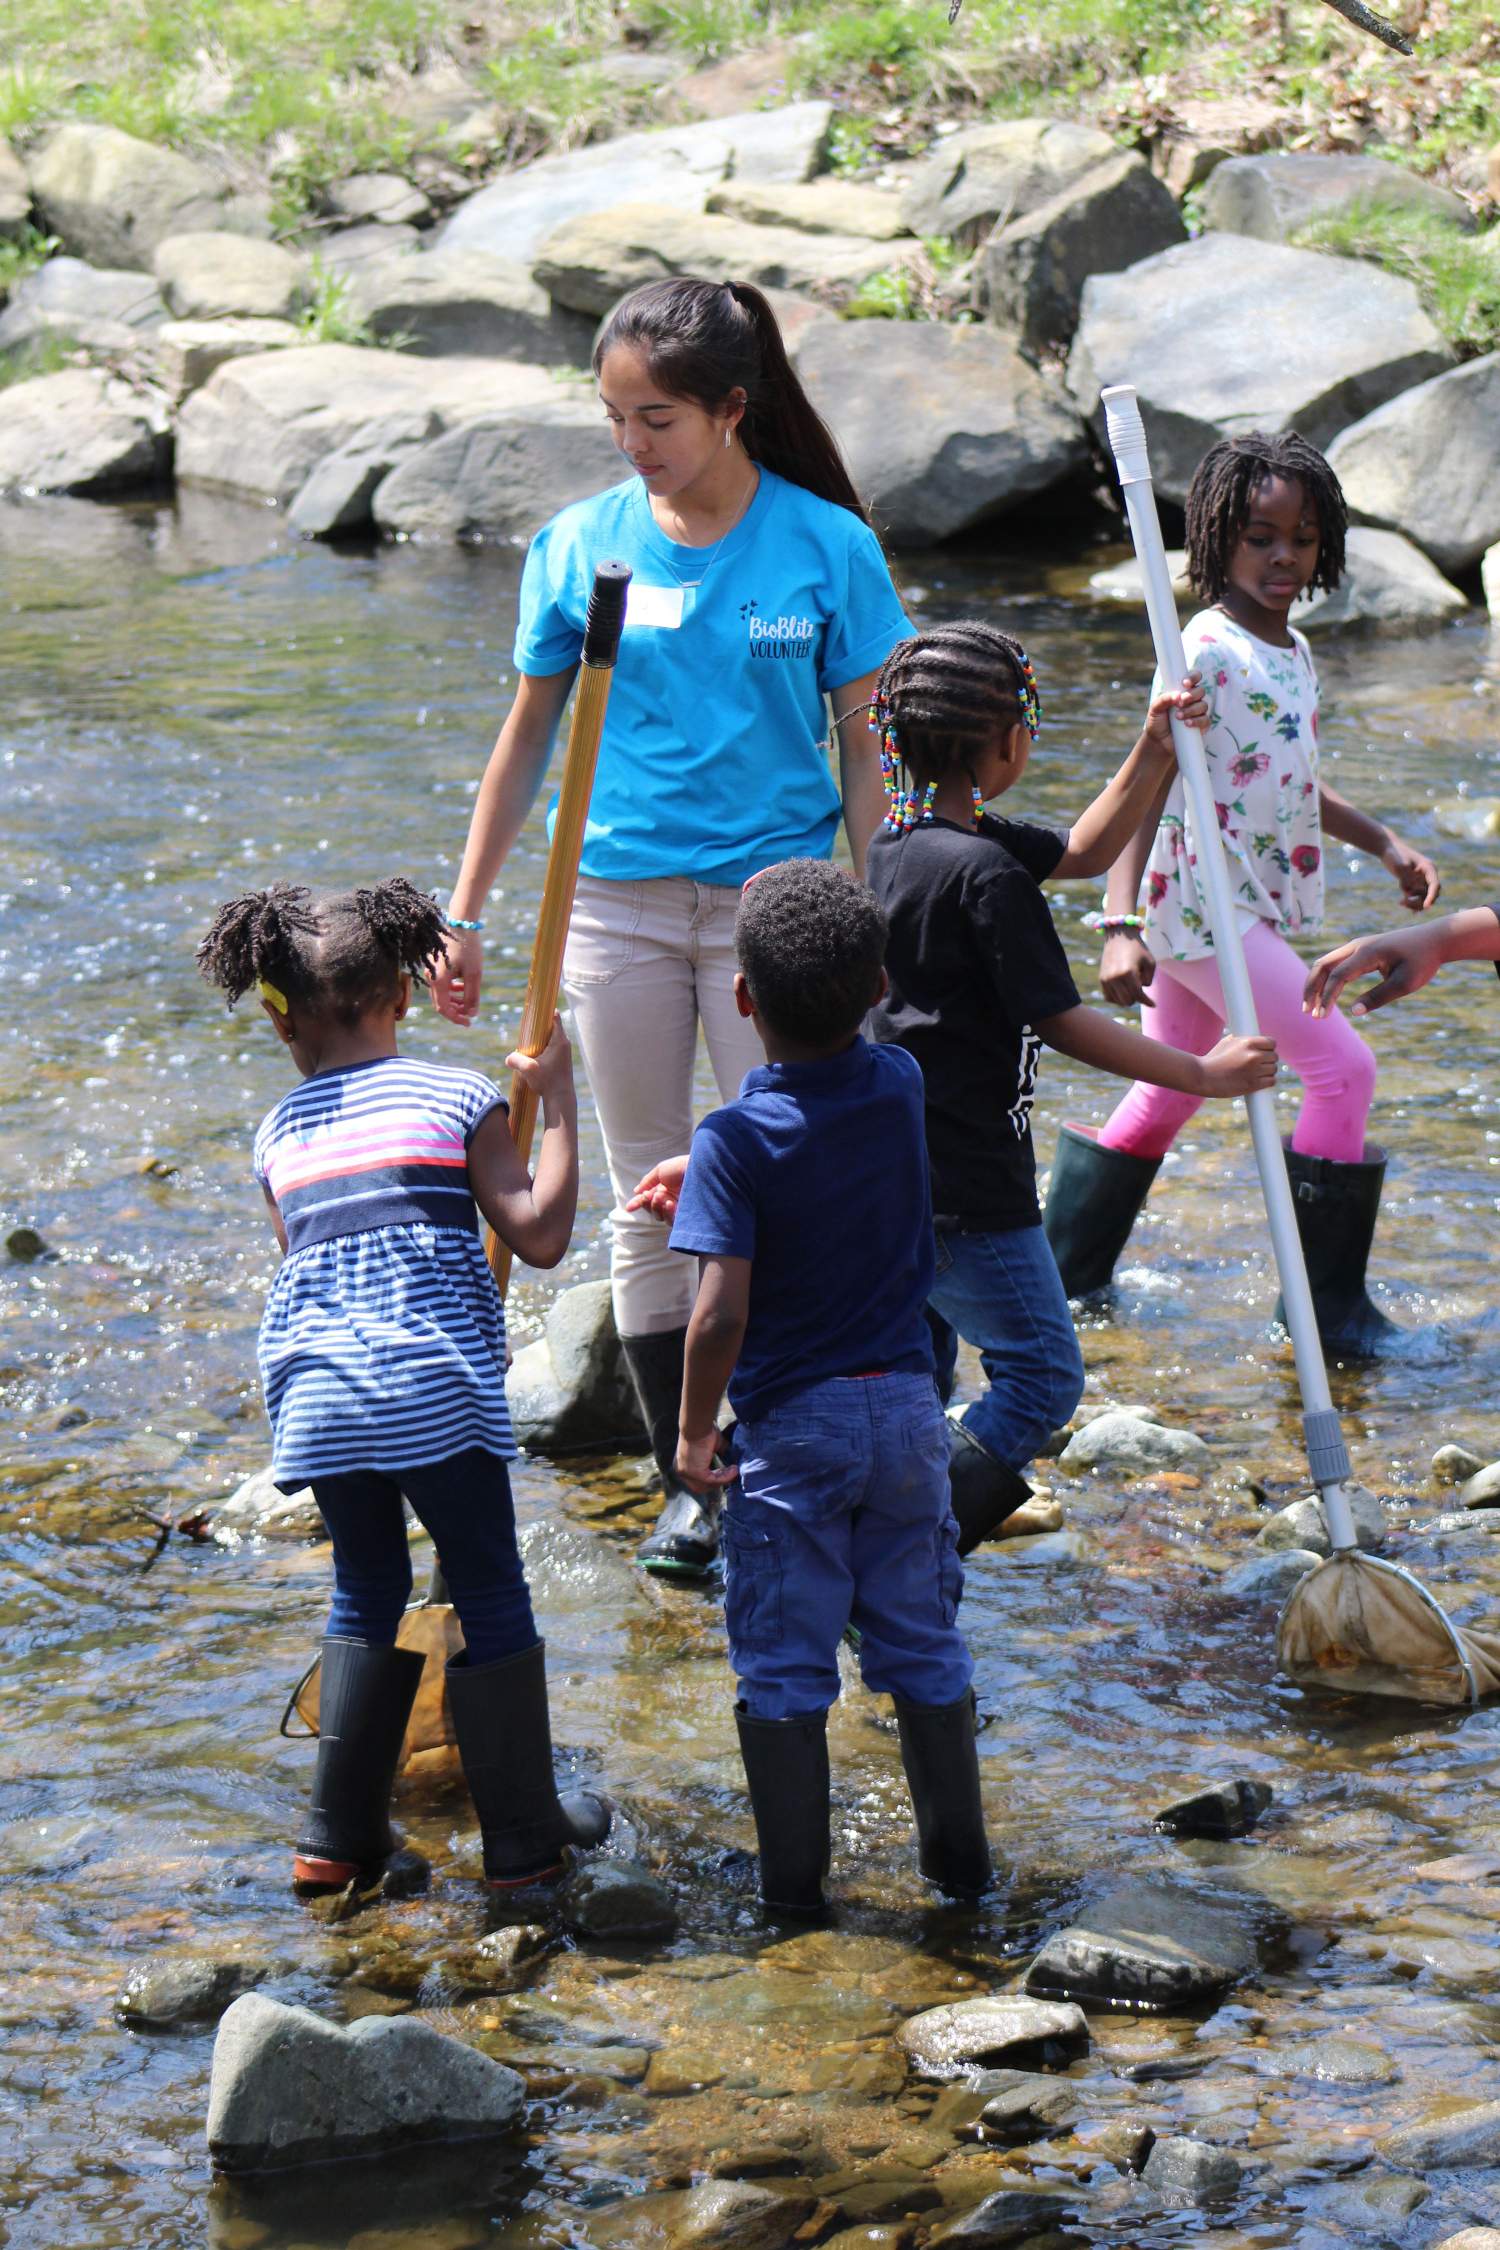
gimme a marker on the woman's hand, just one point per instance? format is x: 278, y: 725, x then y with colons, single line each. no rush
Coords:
x: 456, y: 979
x: 661, y: 1190
x: 1126, y: 967
x: 1414, y: 872
x: 1239, y: 1066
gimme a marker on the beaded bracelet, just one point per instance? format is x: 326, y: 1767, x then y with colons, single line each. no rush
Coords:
x: 1114, y: 925
x: 457, y: 922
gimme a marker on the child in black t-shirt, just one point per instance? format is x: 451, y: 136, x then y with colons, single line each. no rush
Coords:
x: 978, y: 986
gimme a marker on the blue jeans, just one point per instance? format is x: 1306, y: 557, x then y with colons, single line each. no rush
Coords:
x: 465, y: 1503
x: 840, y: 1516
x: 1003, y: 1294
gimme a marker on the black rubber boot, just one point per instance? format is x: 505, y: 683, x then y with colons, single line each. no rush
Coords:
x: 786, y: 1766
x: 365, y: 1694
x: 685, y: 1543
x: 1093, y: 1201
x: 505, y: 1741
x: 1337, y: 1206
x: 942, y: 1773
x: 982, y: 1491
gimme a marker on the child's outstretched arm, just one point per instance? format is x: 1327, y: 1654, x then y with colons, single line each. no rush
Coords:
x: 532, y: 1212
x: 660, y: 1191
x: 1414, y: 872
x: 1235, y: 1066
x: 1404, y: 960
x: 715, y: 1334
x: 1136, y: 795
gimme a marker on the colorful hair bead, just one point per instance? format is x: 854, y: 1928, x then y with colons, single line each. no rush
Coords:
x: 976, y: 795
x: 1030, y: 699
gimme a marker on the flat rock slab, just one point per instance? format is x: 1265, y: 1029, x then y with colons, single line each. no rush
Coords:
x: 814, y: 207
x: 1428, y: 464
x: 719, y: 2215
x: 1337, y: 339
x: 467, y: 302
x: 963, y: 2032
x: 1335, y: 2062
x: 1275, y: 195
x: 1133, y: 1446
x: 1463, y: 2136
x: 215, y: 276
x: 588, y: 264
x: 289, y: 2088
x: 184, y: 353
x: 1148, y: 1945
x: 1192, y: 2172
x: 1022, y: 2103
x: 943, y: 428
x: 678, y: 167
x: 1229, y: 1808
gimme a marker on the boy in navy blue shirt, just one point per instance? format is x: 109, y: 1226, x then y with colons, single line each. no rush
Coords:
x: 807, y: 1204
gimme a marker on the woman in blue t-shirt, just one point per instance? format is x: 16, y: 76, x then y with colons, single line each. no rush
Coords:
x: 759, y: 595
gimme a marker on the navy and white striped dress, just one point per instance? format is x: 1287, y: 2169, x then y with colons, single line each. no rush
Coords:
x: 383, y: 1340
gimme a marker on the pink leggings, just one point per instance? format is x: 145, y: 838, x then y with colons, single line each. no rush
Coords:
x: 1335, y: 1066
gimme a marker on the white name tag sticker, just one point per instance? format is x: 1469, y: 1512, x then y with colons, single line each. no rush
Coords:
x: 660, y: 606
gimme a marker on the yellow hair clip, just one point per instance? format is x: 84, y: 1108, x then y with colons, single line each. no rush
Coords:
x: 269, y: 992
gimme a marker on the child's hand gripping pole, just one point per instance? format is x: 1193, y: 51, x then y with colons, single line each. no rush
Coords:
x: 1326, y: 1452
x: 601, y: 645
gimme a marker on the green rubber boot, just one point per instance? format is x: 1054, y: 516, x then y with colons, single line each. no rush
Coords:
x: 1093, y: 1201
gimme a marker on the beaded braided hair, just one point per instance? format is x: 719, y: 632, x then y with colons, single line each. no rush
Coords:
x: 1222, y: 492
x: 940, y: 701
x: 331, y: 953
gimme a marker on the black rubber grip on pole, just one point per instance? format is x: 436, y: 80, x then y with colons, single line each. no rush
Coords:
x: 606, y: 617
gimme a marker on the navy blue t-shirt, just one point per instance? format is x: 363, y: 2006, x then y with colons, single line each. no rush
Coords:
x: 818, y: 1175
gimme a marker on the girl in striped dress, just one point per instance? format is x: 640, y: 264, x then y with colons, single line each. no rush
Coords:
x: 382, y: 1356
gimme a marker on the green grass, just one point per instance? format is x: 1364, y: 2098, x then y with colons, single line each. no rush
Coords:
x: 1456, y: 275
x: 911, y: 291
x: 48, y: 354
x: 22, y: 254
x: 329, y: 316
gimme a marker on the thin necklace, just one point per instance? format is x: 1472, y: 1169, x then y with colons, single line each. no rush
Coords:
x: 690, y: 585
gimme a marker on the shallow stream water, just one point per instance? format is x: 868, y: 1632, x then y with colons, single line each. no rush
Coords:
x: 194, y: 704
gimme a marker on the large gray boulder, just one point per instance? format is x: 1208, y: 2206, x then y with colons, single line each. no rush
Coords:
x: 1148, y: 1944
x: 15, y: 195
x: 337, y: 496
x: 114, y: 199
x: 677, y: 166
x: 1428, y: 464
x: 1274, y: 196
x: 260, y: 426
x: 943, y: 428
x: 1032, y: 271
x: 209, y: 276
x: 498, y: 477
x: 1333, y: 340
x: 988, y: 175
x: 102, y: 311
x: 289, y: 2088
x: 570, y: 1392
x: 588, y: 264
x: 1386, y: 581
x: 468, y: 303
x: 81, y: 431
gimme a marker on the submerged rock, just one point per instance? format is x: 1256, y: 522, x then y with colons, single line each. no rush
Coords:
x: 1012, y: 2215
x: 289, y: 2088
x: 1337, y: 2062
x: 1149, y: 1945
x: 1133, y: 1446
x: 1464, y: 2136
x: 1269, y: 1576
x: 1230, y: 1808
x: 961, y: 2032
x: 1020, y: 2103
x: 175, y: 1992
x: 1188, y: 2171
x: 1376, y: 2206
x: 613, y: 1898
x: 571, y: 1391
x: 1303, y: 1525
x: 1455, y: 1464
x: 495, y: 1961
x: 1482, y: 1490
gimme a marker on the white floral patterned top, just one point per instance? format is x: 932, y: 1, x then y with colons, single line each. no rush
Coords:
x: 1262, y: 750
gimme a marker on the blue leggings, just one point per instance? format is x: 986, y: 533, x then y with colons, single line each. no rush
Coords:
x: 465, y: 1504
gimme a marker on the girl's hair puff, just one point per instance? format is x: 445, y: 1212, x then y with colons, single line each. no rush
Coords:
x: 1224, y: 486
x: 331, y: 953
x: 944, y: 697
x: 704, y: 339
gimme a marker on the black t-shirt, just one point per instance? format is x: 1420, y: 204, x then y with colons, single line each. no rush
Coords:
x: 974, y: 963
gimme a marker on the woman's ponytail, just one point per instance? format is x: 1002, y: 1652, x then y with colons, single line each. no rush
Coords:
x: 704, y: 340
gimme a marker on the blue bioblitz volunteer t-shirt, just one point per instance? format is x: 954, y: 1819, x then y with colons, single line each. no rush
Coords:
x: 712, y: 763
x: 818, y: 1175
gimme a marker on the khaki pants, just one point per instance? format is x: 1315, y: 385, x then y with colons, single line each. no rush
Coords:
x: 646, y: 964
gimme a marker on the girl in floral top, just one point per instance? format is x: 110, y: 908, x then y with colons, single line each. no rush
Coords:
x: 1265, y: 521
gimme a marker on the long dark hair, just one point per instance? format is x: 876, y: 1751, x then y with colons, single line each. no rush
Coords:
x: 704, y: 339
x: 1223, y: 488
